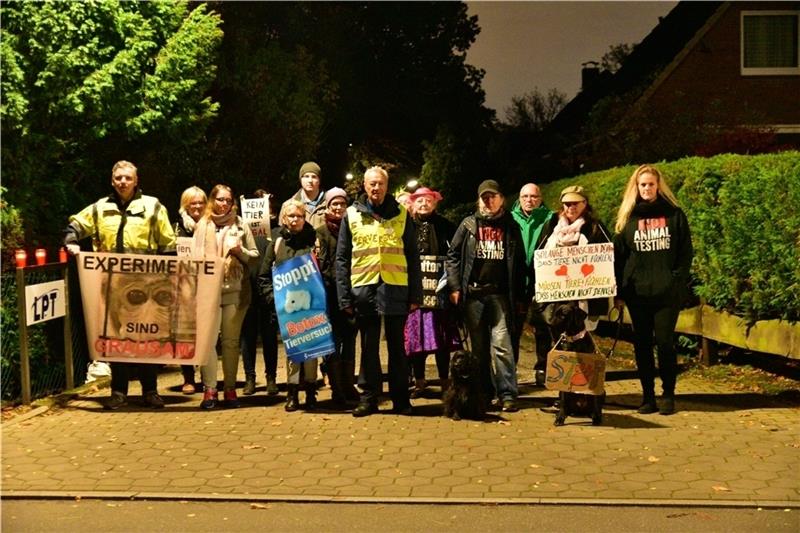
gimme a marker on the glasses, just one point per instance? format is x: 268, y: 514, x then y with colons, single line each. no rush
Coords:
x: 570, y: 204
x: 224, y: 200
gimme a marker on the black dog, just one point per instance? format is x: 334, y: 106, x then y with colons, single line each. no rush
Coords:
x: 464, y: 398
x: 567, y: 319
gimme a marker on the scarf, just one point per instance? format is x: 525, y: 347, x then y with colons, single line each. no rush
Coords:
x: 208, y: 241
x: 333, y: 224
x: 187, y: 222
x: 566, y: 234
x: 427, y: 241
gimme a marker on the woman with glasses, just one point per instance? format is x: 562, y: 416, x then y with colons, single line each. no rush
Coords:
x: 296, y: 237
x: 342, y: 363
x: 653, y: 254
x: 220, y: 232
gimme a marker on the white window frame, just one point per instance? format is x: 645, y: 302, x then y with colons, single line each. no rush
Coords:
x: 767, y: 71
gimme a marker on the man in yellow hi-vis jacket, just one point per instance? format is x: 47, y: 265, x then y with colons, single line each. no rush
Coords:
x: 125, y: 221
x: 378, y: 275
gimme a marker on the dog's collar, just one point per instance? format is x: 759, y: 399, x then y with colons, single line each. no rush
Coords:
x: 573, y: 338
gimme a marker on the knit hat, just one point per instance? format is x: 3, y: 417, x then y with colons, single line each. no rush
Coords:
x: 424, y: 191
x: 312, y: 167
x: 573, y: 193
x: 489, y: 186
x: 334, y: 192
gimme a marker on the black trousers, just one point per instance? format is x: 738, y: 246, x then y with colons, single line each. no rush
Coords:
x: 121, y: 373
x: 541, y: 333
x: 370, y: 378
x: 654, y: 325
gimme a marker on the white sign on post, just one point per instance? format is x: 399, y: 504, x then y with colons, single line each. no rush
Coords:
x: 255, y: 213
x: 575, y: 273
x: 44, y: 301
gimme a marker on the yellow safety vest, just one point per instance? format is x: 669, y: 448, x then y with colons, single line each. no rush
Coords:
x: 147, y: 228
x: 377, y: 251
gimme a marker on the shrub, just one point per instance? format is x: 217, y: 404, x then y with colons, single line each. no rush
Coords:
x: 745, y: 225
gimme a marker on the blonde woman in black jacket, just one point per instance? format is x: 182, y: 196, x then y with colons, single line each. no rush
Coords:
x: 653, y: 254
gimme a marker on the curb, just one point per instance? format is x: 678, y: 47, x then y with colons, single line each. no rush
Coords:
x: 215, y: 497
x: 30, y: 414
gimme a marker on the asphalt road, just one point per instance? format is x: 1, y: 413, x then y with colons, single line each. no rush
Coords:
x: 195, y: 517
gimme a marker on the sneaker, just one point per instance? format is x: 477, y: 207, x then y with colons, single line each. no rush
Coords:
x: 249, y: 386
x: 419, y: 388
x: 648, y: 407
x: 152, y: 399
x: 667, y: 405
x: 209, y: 399
x: 115, y: 401
x: 272, y: 386
x: 365, y: 409
x: 510, y: 406
x: 231, y: 401
x: 188, y: 388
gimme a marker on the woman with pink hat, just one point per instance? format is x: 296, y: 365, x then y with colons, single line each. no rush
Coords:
x: 431, y: 328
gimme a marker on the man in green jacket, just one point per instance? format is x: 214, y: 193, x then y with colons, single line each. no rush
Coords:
x: 531, y: 216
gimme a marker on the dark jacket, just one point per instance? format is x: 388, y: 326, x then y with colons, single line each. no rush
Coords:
x: 293, y: 245
x: 378, y: 298
x: 653, y: 254
x: 595, y: 233
x: 443, y: 231
x: 461, y: 256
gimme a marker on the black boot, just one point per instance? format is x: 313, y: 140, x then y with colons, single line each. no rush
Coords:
x: 649, y: 405
x: 311, y: 396
x: 292, y: 402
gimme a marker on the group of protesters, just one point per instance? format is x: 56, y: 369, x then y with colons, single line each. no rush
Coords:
x: 371, y: 251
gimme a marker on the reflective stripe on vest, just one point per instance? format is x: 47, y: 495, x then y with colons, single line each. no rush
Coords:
x: 377, y: 251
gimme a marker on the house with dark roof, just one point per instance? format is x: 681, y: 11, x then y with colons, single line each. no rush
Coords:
x: 711, y: 77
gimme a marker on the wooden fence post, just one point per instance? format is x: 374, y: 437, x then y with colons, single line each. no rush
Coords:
x: 22, y: 323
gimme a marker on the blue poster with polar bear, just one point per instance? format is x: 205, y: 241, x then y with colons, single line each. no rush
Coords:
x: 301, y: 308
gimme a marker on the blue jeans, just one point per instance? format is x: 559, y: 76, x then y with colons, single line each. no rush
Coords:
x: 487, y: 319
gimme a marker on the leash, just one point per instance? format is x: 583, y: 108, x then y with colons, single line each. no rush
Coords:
x: 617, y: 332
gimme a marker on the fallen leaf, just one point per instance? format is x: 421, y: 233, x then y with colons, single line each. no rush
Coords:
x: 536, y: 466
x: 228, y: 475
x: 720, y: 488
x: 277, y: 423
x: 504, y: 422
x: 653, y: 459
x: 259, y: 506
x: 191, y: 515
x: 252, y: 446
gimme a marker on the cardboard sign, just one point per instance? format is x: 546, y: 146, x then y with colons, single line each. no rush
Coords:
x: 183, y: 246
x: 575, y: 273
x: 255, y: 213
x: 150, y: 308
x: 300, y: 305
x: 575, y: 372
x: 44, y: 301
x: 432, y: 267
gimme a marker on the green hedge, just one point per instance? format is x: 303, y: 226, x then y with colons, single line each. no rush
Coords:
x: 744, y: 213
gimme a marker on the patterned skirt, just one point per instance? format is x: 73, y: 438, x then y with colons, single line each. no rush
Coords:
x: 430, y: 330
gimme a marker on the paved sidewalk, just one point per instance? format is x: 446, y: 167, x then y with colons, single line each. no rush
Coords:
x: 722, y: 448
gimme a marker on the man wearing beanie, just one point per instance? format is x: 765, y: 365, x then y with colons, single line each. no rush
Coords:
x: 310, y: 194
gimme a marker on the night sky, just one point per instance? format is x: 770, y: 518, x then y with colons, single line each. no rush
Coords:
x: 523, y: 45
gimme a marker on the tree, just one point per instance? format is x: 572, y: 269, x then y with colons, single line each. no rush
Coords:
x: 533, y: 111
x: 79, y: 77
x: 616, y: 55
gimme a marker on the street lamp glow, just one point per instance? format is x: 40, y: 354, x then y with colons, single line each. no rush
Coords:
x: 348, y: 176
x: 412, y: 184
